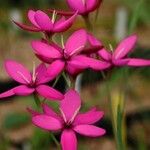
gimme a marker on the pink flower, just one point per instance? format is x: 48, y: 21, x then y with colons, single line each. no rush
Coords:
x: 84, y: 7
x: 70, y: 120
x: 70, y: 57
x: 119, y: 56
x: 30, y: 83
x: 41, y: 22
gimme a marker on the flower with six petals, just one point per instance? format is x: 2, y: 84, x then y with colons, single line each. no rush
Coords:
x: 30, y: 83
x: 70, y: 57
x: 119, y: 56
x: 70, y: 121
x: 41, y: 22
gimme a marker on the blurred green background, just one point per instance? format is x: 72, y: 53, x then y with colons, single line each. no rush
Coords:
x: 16, y: 130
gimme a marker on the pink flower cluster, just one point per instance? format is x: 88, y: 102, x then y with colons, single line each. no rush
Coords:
x: 80, y: 51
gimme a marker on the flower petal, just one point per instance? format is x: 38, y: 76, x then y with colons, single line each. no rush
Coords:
x: 61, y: 12
x: 33, y: 112
x: 50, y: 112
x: 138, y: 62
x: 40, y: 73
x: 70, y: 105
x: 18, y: 72
x: 64, y: 25
x: 105, y: 54
x: 89, y: 117
x: 7, y: 93
x: 76, y: 42
x: 23, y: 90
x: 47, y: 122
x: 49, y: 92
x: 45, y: 50
x: 120, y: 62
x: 125, y: 47
x: 91, y: 5
x: 26, y: 27
x: 43, y: 20
x: 68, y: 140
x: 93, y: 63
x: 55, y: 68
x: 76, y: 5
x: 89, y: 130
x: 31, y: 15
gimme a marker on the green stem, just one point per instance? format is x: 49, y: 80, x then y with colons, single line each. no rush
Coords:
x: 37, y: 100
x: 56, y: 81
x: 67, y: 80
x: 55, y: 140
x: 88, y: 22
x: 117, y: 130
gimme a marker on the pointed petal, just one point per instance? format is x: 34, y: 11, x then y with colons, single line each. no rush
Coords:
x: 70, y: 105
x: 93, y: 40
x: 89, y: 117
x: 68, y: 140
x: 26, y: 27
x: 58, y: 22
x: 18, y: 72
x: 31, y: 15
x: 64, y: 25
x: 94, y: 44
x: 120, y: 62
x: 105, y: 54
x: 76, y: 42
x: 23, y: 90
x: 61, y: 12
x: 50, y: 112
x: 76, y: 5
x: 49, y: 93
x: 55, y: 69
x: 93, y: 63
x: 138, y: 62
x: 125, y: 47
x: 89, y: 130
x: 33, y: 112
x: 91, y: 5
x: 43, y: 20
x: 47, y: 122
x: 45, y: 50
x: 74, y: 69
x: 7, y: 93
x: 40, y: 73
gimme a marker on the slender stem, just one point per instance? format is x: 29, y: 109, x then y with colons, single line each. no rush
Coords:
x: 37, y: 100
x: 117, y: 122
x: 55, y: 140
x: 67, y: 80
x: 56, y: 81
x: 88, y: 22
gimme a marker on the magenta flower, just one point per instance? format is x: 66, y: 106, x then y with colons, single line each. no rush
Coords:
x: 31, y: 83
x: 119, y: 56
x: 41, y: 22
x: 70, y: 57
x: 70, y: 120
x: 84, y: 7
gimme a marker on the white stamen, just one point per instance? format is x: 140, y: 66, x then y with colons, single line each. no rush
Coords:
x: 74, y: 115
x: 63, y: 115
x: 34, y: 74
x: 23, y: 77
x: 76, y: 50
x: 54, y: 15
